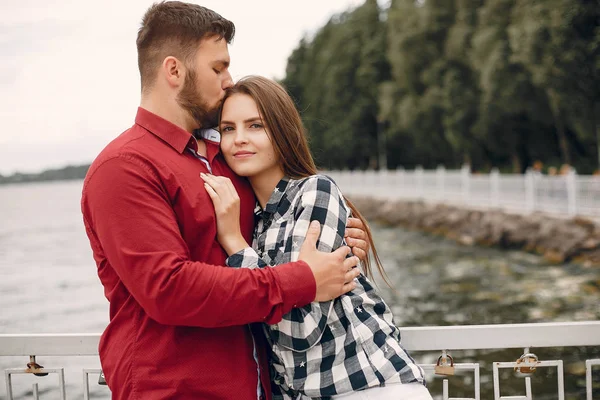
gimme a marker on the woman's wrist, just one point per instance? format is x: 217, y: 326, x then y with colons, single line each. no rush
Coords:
x: 233, y: 244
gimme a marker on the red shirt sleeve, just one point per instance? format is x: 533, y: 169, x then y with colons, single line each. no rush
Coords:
x: 133, y: 227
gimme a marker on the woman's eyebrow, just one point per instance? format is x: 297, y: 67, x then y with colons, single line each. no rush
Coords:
x: 244, y: 121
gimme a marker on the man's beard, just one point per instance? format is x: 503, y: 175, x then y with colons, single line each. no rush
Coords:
x: 190, y: 99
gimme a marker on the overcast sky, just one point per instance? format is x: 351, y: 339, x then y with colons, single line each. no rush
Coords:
x: 69, y: 80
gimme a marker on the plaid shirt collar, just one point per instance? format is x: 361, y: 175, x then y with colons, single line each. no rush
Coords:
x: 279, y: 193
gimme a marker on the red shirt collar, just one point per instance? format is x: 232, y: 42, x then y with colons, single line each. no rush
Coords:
x: 176, y: 137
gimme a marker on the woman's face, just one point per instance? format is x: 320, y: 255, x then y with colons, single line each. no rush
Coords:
x: 245, y: 140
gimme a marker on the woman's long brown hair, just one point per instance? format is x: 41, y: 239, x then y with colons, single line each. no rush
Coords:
x: 283, y: 122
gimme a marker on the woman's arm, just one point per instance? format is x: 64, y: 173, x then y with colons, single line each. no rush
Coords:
x: 227, y: 210
x: 333, y: 271
x: 320, y: 200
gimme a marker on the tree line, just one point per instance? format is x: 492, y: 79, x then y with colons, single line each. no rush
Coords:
x: 67, y: 173
x: 490, y: 83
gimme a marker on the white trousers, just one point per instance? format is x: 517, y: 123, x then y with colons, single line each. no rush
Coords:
x: 393, y: 391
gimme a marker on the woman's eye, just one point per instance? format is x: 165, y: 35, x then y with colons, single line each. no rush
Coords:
x: 256, y: 126
x: 226, y: 129
x: 216, y: 71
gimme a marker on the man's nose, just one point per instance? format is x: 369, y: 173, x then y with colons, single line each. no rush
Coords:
x: 227, y: 81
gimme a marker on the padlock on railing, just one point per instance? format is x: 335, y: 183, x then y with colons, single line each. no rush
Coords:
x: 442, y: 367
x: 529, y: 361
x: 35, y: 368
x: 101, y: 380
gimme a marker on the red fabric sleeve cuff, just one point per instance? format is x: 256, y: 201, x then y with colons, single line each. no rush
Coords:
x: 297, y: 284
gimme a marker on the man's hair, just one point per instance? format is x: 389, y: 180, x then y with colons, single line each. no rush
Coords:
x: 175, y: 28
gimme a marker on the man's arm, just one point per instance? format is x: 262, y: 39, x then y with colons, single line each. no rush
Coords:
x: 129, y: 215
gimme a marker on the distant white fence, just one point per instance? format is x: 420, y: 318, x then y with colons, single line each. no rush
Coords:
x: 569, y: 194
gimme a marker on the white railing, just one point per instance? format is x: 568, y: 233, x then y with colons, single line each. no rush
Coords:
x: 441, y: 340
x: 568, y: 194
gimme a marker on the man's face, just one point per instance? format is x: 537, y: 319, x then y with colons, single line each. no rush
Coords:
x: 205, y: 82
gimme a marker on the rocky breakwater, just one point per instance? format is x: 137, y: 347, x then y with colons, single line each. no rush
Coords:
x: 557, y: 239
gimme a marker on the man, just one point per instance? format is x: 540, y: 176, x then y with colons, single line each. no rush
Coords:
x: 178, y: 319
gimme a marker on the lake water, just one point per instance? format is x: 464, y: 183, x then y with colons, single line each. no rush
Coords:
x: 48, y: 284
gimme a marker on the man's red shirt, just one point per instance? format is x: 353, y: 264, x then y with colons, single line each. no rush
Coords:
x: 177, y: 316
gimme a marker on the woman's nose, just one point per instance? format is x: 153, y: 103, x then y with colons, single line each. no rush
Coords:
x: 240, y: 137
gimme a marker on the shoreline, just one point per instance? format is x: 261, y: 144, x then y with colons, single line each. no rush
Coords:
x: 557, y: 239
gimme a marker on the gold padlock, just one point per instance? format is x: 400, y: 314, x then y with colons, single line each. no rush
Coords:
x: 442, y: 367
x: 527, y: 364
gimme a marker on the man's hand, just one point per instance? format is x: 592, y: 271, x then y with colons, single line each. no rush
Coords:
x: 356, y: 238
x: 334, y: 273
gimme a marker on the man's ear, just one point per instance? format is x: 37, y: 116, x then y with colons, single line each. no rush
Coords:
x: 174, y: 71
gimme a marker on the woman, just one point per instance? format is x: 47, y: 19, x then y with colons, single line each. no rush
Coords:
x: 345, y: 348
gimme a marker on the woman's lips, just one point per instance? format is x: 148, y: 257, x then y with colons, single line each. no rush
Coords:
x: 243, y: 154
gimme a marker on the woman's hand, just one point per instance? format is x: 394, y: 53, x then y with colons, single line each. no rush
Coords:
x: 227, y: 210
x: 357, y: 239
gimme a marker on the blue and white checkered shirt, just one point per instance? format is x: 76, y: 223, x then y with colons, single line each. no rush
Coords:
x: 328, y: 348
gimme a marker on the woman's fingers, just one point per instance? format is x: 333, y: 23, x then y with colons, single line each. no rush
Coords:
x: 222, y: 185
x: 222, y: 192
x: 214, y: 184
x: 232, y: 192
x: 211, y: 192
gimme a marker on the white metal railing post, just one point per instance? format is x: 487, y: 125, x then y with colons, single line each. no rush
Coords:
x: 400, y: 181
x: 571, y: 180
x: 529, y: 191
x: 440, y: 181
x: 352, y: 183
x: 8, y: 380
x: 361, y: 180
x: 346, y: 176
x: 372, y: 181
x: 419, y: 182
x: 336, y: 176
x: 465, y: 175
x: 385, y: 182
x: 495, y: 187
x: 588, y: 377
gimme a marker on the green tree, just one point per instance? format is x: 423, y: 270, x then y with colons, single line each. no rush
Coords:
x: 486, y: 82
x: 460, y: 88
x: 412, y: 102
x: 554, y: 39
x: 339, y: 74
x: 506, y: 88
